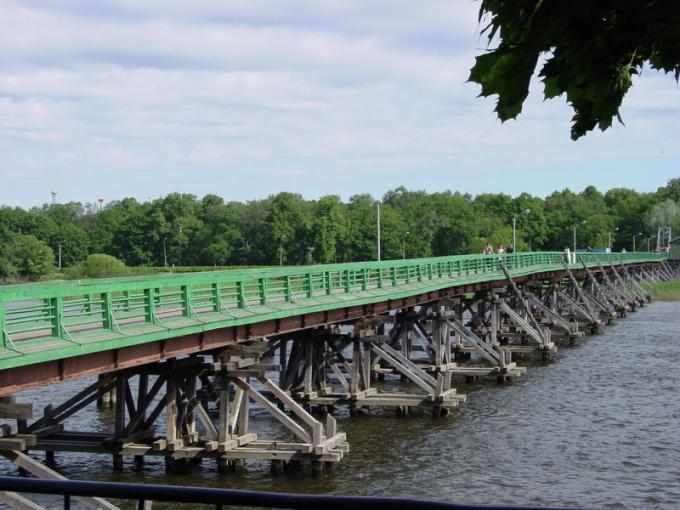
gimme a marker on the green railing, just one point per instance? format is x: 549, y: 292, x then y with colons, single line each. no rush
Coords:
x: 47, y: 321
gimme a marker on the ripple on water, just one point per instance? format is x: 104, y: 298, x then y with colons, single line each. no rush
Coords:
x: 598, y: 428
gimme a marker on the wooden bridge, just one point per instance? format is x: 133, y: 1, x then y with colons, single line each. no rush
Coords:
x: 184, y: 358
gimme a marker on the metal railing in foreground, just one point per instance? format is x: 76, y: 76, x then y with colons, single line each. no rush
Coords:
x: 220, y: 498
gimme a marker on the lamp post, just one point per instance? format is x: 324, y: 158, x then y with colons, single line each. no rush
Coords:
x: 634, y: 235
x: 281, y: 241
x: 378, y: 206
x: 179, y: 247
x: 59, y: 259
x: 609, y: 245
x: 165, y: 253
x: 403, y: 246
x: 582, y: 223
x: 514, y: 229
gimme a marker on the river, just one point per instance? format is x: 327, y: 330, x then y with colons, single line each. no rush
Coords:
x: 597, y: 427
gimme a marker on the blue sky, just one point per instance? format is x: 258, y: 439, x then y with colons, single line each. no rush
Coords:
x: 246, y: 98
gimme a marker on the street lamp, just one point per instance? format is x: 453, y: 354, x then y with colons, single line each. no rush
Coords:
x: 514, y: 229
x: 378, y: 221
x: 59, y: 259
x: 403, y: 246
x: 179, y: 247
x: 649, y: 250
x: 582, y: 223
x: 281, y: 241
x: 165, y: 253
x: 634, y: 235
x: 616, y: 229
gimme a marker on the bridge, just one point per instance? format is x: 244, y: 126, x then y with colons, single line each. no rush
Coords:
x: 183, y: 358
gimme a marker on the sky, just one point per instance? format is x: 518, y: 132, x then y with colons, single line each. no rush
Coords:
x: 246, y: 98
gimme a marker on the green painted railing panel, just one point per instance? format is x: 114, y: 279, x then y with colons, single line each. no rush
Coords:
x: 48, y: 321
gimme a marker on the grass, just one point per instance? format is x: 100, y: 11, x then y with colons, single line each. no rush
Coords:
x: 665, y: 291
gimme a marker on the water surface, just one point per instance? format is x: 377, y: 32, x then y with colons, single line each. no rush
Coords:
x: 599, y: 427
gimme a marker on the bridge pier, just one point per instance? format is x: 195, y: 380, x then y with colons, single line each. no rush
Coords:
x: 200, y: 405
x: 207, y: 407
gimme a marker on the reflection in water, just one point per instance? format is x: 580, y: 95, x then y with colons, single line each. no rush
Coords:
x: 597, y: 428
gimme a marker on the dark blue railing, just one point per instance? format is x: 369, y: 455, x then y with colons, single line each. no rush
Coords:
x: 142, y: 493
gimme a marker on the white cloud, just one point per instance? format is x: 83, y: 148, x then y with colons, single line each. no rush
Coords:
x: 95, y: 95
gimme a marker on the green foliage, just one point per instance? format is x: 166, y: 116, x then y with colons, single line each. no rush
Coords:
x: 99, y: 265
x: 330, y: 228
x: 588, y: 52
x: 665, y: 291
x: 665, y: 214
x: 27, y: 257
x: 289, y: 226
x: 286, y: 228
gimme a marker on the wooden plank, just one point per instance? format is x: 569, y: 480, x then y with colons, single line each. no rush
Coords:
x: 28, y: 439
x: 235, y: 410
x: 203, y: 416
x: 15, y: 411
x: 273, y: 410
x: 41, y: 471
x: 292, y: 405
x: 5, y: 429
x: 323, y: 447
x: 9, y: 443
x: 52, y: 415
x: 246, y: 438
x: 171, y: 411
x: 223, y: 432
x: 404, y: 370
x: 14, y: 500
x: 282, y: 445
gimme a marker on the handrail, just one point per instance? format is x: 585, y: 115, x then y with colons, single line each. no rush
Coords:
x: 62, y: 319
x: 19, y: 291
x: 222, y: 497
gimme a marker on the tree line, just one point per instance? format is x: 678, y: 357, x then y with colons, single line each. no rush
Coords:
x: 183, y: 230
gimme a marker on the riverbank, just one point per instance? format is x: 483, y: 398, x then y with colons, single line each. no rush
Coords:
x: 665, y: 291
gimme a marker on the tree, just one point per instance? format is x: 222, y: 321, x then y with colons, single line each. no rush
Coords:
x: 665, y: 214
x: 362, y: 215
x: 457, y: 224
x: 74, y: 243
x: 218, y: 241
x: 27, y: 256
x: 288, y: 225
x: 671, y: 190
x: 330, y: 228
x: 588, y: 51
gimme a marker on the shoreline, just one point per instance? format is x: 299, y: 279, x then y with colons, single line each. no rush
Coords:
x: 664, y: 291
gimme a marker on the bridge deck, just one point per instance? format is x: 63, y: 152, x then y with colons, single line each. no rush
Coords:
x: 54, y: 321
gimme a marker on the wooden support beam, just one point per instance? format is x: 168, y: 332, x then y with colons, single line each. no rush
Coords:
x: 11, y: 410
x: 410, y: 374
x: 75, y: 403
x: 273, y: 410
x: 296, y: 409
x: 14, y: 500
x: 203, y: 416
x: 41, y: 471
x: 171, y: 411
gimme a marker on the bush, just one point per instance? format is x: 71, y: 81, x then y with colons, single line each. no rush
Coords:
x: 99, y: 265
x: 28, y: 257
